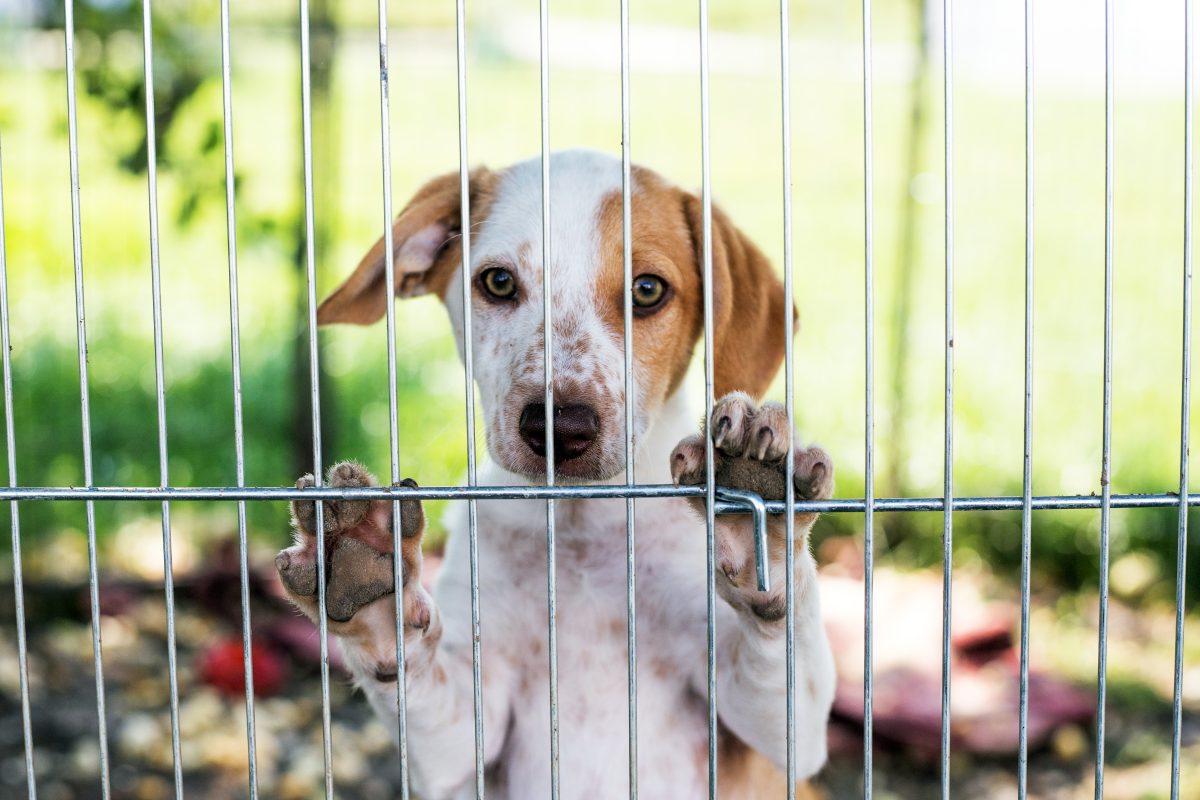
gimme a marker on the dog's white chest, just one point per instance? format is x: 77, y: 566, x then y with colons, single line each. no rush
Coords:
x: 592, y: 644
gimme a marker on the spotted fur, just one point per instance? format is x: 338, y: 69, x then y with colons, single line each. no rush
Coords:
x: 587, y: 286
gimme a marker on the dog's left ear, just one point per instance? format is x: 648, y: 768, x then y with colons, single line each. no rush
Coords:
x: 748, y: 305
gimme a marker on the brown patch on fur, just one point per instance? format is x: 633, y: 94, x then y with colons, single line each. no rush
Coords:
x: 748, y: 305
x: 746, y: 774
x: 662, y: 246
x: 525, y: 256
x: 748, y: 302
x: 435, y: 215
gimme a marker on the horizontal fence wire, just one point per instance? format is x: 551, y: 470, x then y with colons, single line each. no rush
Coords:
x: 638, y: 492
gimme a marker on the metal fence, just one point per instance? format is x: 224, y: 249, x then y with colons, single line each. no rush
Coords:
x: 718, y: 500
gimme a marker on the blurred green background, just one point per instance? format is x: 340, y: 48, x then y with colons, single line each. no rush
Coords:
x: 826, y: 95
x: 585, y: 111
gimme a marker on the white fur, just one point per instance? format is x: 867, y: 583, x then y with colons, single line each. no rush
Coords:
x: 591, y: 569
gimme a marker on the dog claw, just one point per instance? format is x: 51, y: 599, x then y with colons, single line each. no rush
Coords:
x: 723, y: 426
x: 765, y: 439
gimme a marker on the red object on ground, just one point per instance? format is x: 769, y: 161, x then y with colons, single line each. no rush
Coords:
x: 907, y: 668
x: 221, y: 667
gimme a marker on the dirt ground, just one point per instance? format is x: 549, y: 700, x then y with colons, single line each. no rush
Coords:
x: 288, y: 711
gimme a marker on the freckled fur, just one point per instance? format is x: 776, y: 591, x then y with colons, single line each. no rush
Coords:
x: 587, y: 285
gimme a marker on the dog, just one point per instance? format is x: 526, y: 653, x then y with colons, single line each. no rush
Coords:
x: 751, y: 444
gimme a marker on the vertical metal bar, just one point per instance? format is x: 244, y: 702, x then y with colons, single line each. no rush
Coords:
x: 11, y: 444
x: 315, y: 382
x: 464, y: 189
x: 385, y: 144
x: 948, y: 413
x: 1185, y: 402
x: 547, y: 376
x: 869, y: 411
x: 630, y: 477
x: 85, y: 413
x: 160, y: 386
x: 710, y: 486
x: 1106, y: 457
x: 235, y: 350
x: 789, y: 365
x: 1027, y: 469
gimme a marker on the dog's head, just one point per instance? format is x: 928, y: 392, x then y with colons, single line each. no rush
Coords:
x: 587, y: 299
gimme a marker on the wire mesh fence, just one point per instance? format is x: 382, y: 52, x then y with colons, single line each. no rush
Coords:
x: 718, y: 500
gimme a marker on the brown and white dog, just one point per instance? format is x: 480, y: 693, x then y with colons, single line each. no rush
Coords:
x: 751, y: 444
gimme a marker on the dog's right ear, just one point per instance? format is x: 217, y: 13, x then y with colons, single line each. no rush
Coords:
x: 427, y: 246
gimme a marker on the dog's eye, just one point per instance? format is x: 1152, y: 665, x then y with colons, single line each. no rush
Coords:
x: 499, y: 283
x: 648, y: 291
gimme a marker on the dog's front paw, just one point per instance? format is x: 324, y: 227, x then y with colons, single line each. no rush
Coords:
x: 750, y: 448
x: 359, y: 554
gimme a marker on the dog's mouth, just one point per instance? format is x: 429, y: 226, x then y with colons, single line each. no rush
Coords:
x: 575, y: 470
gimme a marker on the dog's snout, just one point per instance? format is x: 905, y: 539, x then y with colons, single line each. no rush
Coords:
x: 575, y: 428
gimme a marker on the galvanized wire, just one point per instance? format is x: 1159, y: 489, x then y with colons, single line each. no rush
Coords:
x: 548, y: 381
x: 1027, y: 466
x: 728, y: 502
x: 710, y: 486
x: 789, y: 393
x: 869, y: 412
x: 948, y: 413
x: 947, y: 504
x: 14, y: 512
x: 85, y: 414
x: 160, y: 387
x: 630, y: 471
x: 1185, y: 401
x: 235, y: 349
x: 1106, y: 457
x: 464, y: 189
x: 315, y: 382
x: 385, y: 156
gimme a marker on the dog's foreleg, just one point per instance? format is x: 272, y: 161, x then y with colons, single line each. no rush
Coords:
x: 361, y: 614
x: 439, y: 700
x: 751, y: 446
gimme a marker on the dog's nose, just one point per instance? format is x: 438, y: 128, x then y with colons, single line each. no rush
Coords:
x: 575, y: 428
